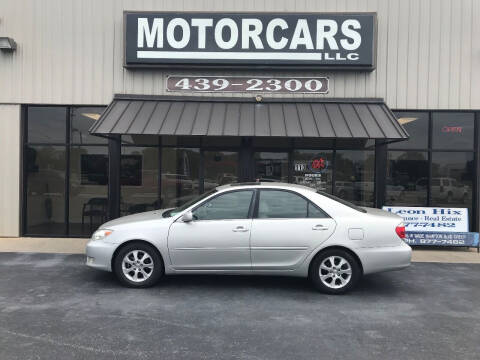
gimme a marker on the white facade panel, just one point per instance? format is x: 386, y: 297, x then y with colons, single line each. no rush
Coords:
x: 71, y: 51
x: 10, y: 174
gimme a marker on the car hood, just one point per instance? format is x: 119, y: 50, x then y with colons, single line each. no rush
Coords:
x: 145, y: 216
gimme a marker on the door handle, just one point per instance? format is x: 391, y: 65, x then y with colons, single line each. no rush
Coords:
x: 240, y: 229
x: 319, y: 227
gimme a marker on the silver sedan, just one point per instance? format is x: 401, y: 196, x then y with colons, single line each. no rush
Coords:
x: 254, y: 228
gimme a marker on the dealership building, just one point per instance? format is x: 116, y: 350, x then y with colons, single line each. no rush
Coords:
x: 109, y: 108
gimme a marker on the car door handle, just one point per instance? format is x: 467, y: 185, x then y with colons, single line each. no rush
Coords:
x: 319, y: 227
x: 240, y: 229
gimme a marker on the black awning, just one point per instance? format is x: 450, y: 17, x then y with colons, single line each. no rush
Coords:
x: 322, y: 118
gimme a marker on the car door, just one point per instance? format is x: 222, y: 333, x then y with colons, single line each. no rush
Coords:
x: 218, y: 238
x: 285, y: 229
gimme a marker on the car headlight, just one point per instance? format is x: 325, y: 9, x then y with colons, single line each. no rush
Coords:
x: 101, y: 234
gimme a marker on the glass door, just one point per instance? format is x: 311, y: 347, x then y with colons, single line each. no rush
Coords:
x: 220, y: 168
x: 271, y: 166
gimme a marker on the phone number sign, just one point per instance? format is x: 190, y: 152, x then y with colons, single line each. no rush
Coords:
x: 442, y: 238
x: 432, y: 219
x: 310, y: 85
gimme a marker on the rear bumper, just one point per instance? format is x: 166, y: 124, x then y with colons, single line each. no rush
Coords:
x: 99, y: 255
x: 385, y: 258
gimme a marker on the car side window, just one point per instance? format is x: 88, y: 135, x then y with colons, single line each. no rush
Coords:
x: 315, y: 212
x: 284, y: 204
x: 231, y: 205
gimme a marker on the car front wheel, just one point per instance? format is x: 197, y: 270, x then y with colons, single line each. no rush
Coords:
x: 138, y: 265
x: 335, y: 271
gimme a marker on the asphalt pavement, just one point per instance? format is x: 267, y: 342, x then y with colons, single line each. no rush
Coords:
x: 53, y: 307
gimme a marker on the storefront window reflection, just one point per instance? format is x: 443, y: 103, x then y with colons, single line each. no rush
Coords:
x: 139, y: 179
x: 220, y: 168
x: 355, y: 170
x: 407, y: 178
x: 180, y: 175
x: 416, y: 124
x: 45, y: 193
x: 452, y: 175
x: 452, y: 131
x: 82, y: 119
x: 47, y: 124
x: 88, y: 197
x: 271, y: 166
x: 313, y: 168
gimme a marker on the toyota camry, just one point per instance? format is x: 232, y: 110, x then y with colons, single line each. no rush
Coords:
x: 254, y: 228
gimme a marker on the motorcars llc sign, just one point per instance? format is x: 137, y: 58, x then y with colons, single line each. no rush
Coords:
x: 266, y: 40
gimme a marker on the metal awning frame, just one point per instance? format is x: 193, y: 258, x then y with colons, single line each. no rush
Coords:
x: 258, y: 99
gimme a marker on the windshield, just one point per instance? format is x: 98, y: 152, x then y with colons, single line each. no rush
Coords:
x: 185, y: 206
x: 341, y: 201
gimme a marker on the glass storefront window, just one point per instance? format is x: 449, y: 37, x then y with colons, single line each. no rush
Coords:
x: 180, y: 175
x: 139, y: 179
x: 45, y: 170
x: 343, y: 167
x: 452, y: 179
x: 88, y: 196
x: 82, y: 118
x: 47, y: 124
x: 355, y: 173
x: 271, y: 166
x: 407, y: 178
x: 452, y: 131
x: 416, y: 124
x: 220, y: 168
x: 313, y: 168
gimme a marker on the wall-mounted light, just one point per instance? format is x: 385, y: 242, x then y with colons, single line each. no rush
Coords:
x: 406, y: 120
x: 92, y: 116
x: 7, y: 44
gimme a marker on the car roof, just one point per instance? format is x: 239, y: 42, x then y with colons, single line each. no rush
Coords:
x: 268, y: 184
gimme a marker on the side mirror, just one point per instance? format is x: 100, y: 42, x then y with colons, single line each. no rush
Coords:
x: 187, y: 217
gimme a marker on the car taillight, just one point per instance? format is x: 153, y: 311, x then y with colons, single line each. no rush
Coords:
x: 400, y: 230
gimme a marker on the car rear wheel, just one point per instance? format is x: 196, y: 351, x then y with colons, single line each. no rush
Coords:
x: 335, y: 271
x: 138, y: 265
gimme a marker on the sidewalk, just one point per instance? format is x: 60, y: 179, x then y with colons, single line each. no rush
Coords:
x: 43, y: 245
x: 450, y: 255
x: 77, y: 246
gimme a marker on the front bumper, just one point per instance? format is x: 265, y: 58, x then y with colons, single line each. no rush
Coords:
x: 99, y: 255
x: 385, y: 258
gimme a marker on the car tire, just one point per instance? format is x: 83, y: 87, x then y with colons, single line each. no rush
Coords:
x: 337, y: 278
x: 138, y: 265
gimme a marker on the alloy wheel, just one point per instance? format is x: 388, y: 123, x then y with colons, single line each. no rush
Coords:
x: 335, y: 272
x: 137, y: 266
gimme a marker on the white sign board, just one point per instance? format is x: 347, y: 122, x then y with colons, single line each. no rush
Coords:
x: 432, y: 219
